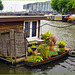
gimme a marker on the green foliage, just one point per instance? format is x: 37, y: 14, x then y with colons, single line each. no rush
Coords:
x: 1, y: 5
x: 54, y: 5
x: 62, y: 49
x: 69, y: 21
x: 39, y: 47
x: 26, y: 14
x: 52, y: 53
x: 62, y: 4
x: 34, y: 59
x: 73, y: 4
x: 43, y: 51
x: 69, y: 5
x: 46, y: 35
x: 33, y: 46
x: 59, y: 4
x: 63, y: 11
x: 30, y: 50
x: 61, y: 43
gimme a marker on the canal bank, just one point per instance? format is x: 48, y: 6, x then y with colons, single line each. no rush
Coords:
x: 63, y: 66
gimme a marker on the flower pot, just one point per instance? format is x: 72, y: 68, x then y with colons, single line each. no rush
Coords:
x: 33, y: 49
x: 61, y: 46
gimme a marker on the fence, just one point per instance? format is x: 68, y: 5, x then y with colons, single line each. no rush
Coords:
x: 13, y: 44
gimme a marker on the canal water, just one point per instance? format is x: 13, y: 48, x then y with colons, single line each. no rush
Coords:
x: 65, y: 65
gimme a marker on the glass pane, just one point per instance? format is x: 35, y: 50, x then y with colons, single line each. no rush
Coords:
x: 34, y: 26
x: 27, y: 28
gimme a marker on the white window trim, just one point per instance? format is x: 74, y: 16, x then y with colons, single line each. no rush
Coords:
x: 30, y: 37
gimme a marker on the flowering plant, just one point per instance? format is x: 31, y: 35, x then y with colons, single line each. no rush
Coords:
x: 52, y: 40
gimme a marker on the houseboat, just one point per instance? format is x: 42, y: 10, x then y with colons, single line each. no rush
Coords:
x: 13, y: 39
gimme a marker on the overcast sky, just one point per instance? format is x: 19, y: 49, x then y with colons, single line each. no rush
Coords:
x: 16, y: 5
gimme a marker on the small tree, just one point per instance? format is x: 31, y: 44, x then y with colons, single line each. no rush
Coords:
x: 54, y: 5
x: 69, y: 5
x: 1, y: 5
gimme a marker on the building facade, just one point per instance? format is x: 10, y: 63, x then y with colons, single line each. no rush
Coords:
x: 39, y: 6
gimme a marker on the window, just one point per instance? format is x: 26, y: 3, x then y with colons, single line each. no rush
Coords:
x: 27, y: 28
x: 34, y: 26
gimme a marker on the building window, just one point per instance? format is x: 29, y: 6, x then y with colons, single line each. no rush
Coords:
x: 34, y: 26
x: 27, y: 28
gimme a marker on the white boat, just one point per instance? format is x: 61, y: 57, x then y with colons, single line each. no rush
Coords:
x: 71, y: 52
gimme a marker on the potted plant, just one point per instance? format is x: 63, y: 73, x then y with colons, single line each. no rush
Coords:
x: 61, y: 44
x: 39, y: 47
x: 33, y: 47
x: 30, y: 51
x: 61, y: 50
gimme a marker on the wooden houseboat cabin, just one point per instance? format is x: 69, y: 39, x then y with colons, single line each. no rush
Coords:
x: 12, y: 44
x: 29, y: 23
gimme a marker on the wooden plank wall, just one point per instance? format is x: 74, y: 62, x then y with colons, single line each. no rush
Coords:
x: 13, y: 44
x: 6, y: 26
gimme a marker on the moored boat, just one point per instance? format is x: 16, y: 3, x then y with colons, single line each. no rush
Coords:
x: 71, y: 52
x: 47, y: 60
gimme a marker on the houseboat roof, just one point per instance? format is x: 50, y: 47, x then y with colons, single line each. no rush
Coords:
x: 20, y: 18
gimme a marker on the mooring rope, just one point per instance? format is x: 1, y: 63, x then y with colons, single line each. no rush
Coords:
x: 52, y: 26
x: 56, y: 26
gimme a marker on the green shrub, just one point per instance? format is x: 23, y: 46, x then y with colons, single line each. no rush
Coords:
x: 33, y: 45
x: 62, y: 49
x: 69, y: 21
x: 26, y: 14
x: 43, y: 51
x: 46, y: 35
x: 30, y: 50
x: 61, y: 44
x: 34, y: 59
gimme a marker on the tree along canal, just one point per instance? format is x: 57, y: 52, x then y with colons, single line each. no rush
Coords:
x: 65, y: 65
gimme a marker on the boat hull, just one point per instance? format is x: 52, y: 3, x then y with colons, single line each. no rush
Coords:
x: 48, y: 60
